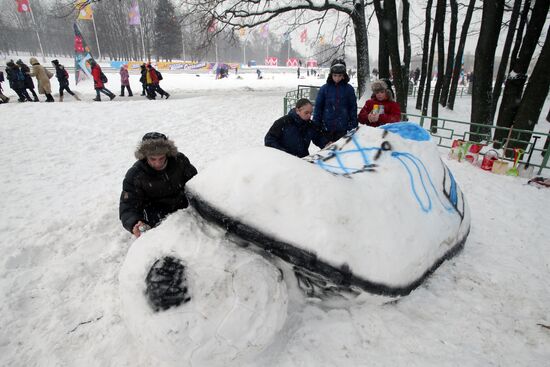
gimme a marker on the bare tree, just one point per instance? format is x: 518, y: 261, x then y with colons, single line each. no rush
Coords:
x: 251, y: 13
x: 534, y: 96
x: 482, y: 93
x: 439, y: 23
x: 425, y: 55
x: 505, y: 54
x: 387, y: 20
x: 518, y: 75
x: 459, y: 55
x: 450, y: 54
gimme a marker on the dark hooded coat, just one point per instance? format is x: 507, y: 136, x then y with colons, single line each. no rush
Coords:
x: 149, y: 195
x: 293, y: 135
x: 336, y: 106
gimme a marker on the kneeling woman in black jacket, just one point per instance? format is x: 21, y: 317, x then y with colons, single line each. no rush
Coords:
x: 294, y: 132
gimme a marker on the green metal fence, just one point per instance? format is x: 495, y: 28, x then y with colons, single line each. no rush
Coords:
x: 448, y: 130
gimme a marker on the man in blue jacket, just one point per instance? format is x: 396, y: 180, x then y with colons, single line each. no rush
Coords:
x: 294, y: 132
x: 336, y: 104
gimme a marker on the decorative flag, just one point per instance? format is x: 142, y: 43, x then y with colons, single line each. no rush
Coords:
x: 264, y: 31
x: 303, y: 35
x: 23, y: 6
x: 84, y: 11
x: 133, y: 15
x: 286, y: 36
x: 322, y: 40
x: 81, y: 56
x: 212, y: 26
x: 242, y: 32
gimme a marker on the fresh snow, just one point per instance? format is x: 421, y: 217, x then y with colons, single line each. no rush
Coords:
x: 63, y: 246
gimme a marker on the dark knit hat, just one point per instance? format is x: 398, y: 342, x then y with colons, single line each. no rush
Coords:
x: 338, y: 66
x: 55, y: 62
x: 155, y: 143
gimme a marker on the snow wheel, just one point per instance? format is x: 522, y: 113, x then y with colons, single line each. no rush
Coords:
x: 191, y: 297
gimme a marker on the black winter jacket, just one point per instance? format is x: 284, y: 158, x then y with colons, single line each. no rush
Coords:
x: 145, y: 189
x: 29, y: 84
x: 293, y: 135
x: 16, y: 78
x: 62, y: 76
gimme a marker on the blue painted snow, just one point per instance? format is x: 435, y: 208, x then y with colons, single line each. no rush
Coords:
x: 407, y: 130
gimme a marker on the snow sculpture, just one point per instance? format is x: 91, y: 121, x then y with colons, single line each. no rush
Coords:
x: 378, y: 209
x: 237, y: 300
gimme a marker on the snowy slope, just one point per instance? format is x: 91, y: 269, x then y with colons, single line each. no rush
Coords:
x: 63, y: 246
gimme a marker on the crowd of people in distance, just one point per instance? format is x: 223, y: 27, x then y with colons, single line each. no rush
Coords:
x: 20, y: 79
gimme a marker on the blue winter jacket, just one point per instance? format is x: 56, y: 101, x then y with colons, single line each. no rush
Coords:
x: 293, y: 135
x: 336, y: 107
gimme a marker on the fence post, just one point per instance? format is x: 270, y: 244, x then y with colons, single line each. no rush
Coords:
x: 544, y: 160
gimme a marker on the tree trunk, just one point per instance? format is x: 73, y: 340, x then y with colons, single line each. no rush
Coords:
x: 383, y: 41
x: 505, y: 54
x: 519, y: 33
x: 483, y: 68
x: 450, y: 54
x: 518, y: 76
x: 425, y: 55
x: 459, y: 54
x: 383, y: 55
x: 362, y: 45
x: 406, y: 52
x: 429, y: 70
x: 439, y: 24
x: 387, y: 17
x: 535, y: 94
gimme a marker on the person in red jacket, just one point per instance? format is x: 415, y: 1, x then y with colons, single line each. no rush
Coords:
x: 380, y: 109
x: 99, y: 85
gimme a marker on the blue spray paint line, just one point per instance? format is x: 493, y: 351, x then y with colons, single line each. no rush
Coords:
x: 426, y: 208
x: 341, y: 166
x: 453, y: 195
x: 356, y: 143
x: 418, y: 164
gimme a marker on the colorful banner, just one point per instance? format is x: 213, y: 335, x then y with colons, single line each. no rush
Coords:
x: 311, y: 63
x: 292, y: 62
x: 303, y: 35
x: 23, y: 6
x: 271, y: 61
x: 286, y: 36
x: 264, y: 31
x: 212, y: 26
x: 133, y: 15
x: 84, y: 11
x: 82, y: 54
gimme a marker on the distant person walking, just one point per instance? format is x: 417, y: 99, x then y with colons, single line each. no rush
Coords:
x: 29, y: 84
x: 99, y: 80
x: 125, y: 81
x: 143, y: 79
x: 63, y: 78
x: 43, y: 77
x: 153, y: 78
x: 17, y: 81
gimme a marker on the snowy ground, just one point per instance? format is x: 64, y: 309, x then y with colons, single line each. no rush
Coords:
x: 63, y: 245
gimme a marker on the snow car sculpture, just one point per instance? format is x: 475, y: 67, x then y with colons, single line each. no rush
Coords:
x: 378, y: 209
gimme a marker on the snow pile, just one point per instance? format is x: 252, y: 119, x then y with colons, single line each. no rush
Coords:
x: 238, y: 299
x: 381, y: 203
